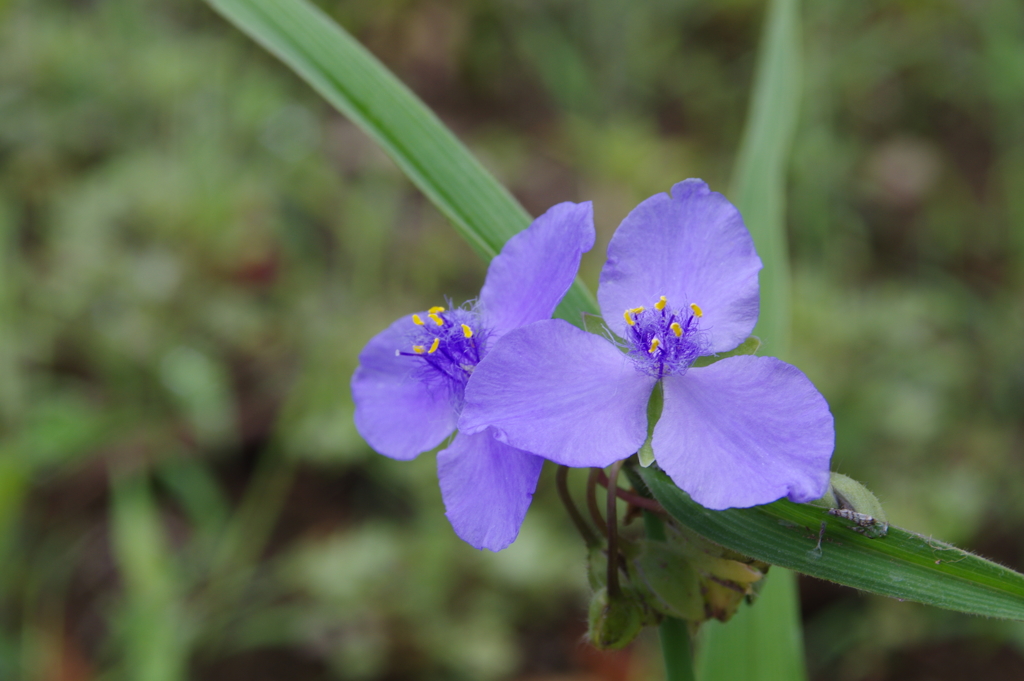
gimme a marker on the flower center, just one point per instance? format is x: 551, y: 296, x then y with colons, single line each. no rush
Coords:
x: 448, y: 344
x: 663, y: 341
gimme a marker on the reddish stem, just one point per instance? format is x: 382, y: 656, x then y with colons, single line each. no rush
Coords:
x: 630, y: 497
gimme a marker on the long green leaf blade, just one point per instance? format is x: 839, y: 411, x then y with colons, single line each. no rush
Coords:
x: 901, y: 565
x: 363, y: 89
x: 764, y: 643
x: 155, y: 645
x: 758, y: 184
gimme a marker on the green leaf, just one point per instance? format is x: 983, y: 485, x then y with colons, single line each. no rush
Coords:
x: 762, y: 641
x: 767, y: 639
x: 359, y: 86
x: 151, y: 621
x: 758, y: 185
x: 902, y: 565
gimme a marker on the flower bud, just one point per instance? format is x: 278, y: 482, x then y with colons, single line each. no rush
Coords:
x: 615, y: 622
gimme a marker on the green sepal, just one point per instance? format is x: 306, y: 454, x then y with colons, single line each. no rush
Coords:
x: 646, y: 454
x: 747, y: 347
x: 597, y: 567
x: 668, y: 582
x: 713, y: 560
x: 688, y: 577
x: 654, y: 407
x: 726, y: 577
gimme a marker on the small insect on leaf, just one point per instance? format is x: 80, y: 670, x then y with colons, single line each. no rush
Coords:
x: 848, y: 499
x: 867, y: 525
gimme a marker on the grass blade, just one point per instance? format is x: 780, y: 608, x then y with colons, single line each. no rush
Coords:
x: 363, y: 89
x: 150, y: 623
x: 758, y: 185
x: 761, y: 641
x: 764, y: 643
x: 901, y: 565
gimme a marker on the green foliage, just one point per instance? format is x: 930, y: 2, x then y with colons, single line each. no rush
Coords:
x: 166, y: 185
x: 153, y: 630
x: 351, y: 79
x: 903, y: 565
x: 758, y: 185
x: 767, y: 643
x: 760, y: 641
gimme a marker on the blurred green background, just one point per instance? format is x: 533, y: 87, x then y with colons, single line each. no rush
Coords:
x: 194, y: 247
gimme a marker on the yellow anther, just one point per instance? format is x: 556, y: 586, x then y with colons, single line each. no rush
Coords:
x: 654, y: 345
x: 437, y: 319
x: 676, y: 329
x: 628, y: 314
x: 433, y: 346
x: 416, y: 320
x: 696, y: 309
x: 466, y: 331
x: 660, y: 305
x: 435, y: 310
x: 418, y: 349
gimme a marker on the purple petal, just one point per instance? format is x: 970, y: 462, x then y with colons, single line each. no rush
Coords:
x: 396, y: 413
x: 745, y: 431
x: 526, y: 281
x: 487, y: 487
x: 692, y: 248
x: 562, y: 393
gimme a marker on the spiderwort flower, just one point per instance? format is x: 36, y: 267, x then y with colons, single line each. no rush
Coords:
x: 680, y: 282
x: 412, y: 377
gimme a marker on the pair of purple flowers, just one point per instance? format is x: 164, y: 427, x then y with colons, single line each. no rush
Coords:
x: 680, y: 283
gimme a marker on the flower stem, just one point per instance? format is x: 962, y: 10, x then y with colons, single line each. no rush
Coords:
x: 675, y: 636
x: 613, y: 531
x: 632, y: 499
x: 675, y: 649
x: 595, y: 510
x: 561, y: 481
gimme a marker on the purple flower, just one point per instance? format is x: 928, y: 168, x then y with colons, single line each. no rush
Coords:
x: 411, y: 381
x: 680, y: 282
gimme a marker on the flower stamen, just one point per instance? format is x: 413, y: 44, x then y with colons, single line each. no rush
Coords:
x: 663, y: 340
x: 448, y: 349
x: 696, y: 310
x: 630, y: 313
